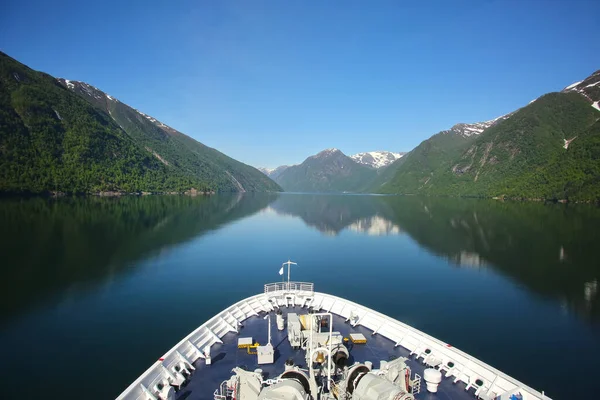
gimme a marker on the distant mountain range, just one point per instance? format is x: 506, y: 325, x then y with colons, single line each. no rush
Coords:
x: 273, y: 173
x: 376, y: 159
x: 328, y: 171
x: 58, y: 135
x: 333, y: 171
x: 548, y: 149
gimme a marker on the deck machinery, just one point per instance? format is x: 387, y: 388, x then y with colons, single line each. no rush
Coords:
x: 328, y: 374
x: 307, y: 359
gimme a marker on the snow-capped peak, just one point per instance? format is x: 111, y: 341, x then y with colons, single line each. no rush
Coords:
x: 266, y: 171
x: 572, y: 85
x: 588, y: 88
x: 475, y: 128
x: 327, y: 152
x: 376, y: 159
x: 273, y: 173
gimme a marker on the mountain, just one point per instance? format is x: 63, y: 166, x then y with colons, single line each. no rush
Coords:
x: 548, y: 149
x: 328, y: 171
x: 265, y: 171
x: 376, y: 159
x: 469, y: 130
x: 373, y: 159
x: 172, y: 147
x: 437, y: 152
x: 588, y: 88
x: 273, y: 173
x: 67, y: 136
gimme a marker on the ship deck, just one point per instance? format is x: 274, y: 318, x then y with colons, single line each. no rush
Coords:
x: 226, y: 356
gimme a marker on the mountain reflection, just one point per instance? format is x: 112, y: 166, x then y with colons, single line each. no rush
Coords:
x: 331, y: 214
x: 549, y: 248
x: 375, y: 226
x: 468, y: 259
x: 52, y: 245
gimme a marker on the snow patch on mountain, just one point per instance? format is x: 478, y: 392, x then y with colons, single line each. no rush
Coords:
x: 467, y: 130
x: 326, y: 153
x: 376, y: 159
x: 588, y: 88
x: 96, y: 93
x: 273, y: 173
x: 266, y: 171
x: 572, y: 85
x: 568, y: 142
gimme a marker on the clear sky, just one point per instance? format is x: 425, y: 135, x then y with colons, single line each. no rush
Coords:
x: 272, y: 82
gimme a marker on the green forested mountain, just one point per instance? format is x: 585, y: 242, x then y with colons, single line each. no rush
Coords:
x: 328, y: 171
x: 68, y: 136
x: 549, y: 149
x: 56, y: 138
x: 413, y: 170
x: 428, y: 156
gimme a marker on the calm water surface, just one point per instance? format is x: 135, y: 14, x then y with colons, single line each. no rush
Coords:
x: 94, y: 290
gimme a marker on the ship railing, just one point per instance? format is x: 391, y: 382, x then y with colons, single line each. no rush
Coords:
x: 289, y: 286
x: 222, y: 392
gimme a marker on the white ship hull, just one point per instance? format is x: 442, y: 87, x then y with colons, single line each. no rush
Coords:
x: 457, y: 365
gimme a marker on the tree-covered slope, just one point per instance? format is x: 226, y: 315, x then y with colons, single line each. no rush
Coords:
x: 548, y: 149
x: 53, y: 140
x: 329, y: 171
x: 172, y: 147
x: 432, y: 154
x: 413, y: 171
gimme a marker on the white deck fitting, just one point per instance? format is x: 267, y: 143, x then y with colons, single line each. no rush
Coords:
x: 466, y: 368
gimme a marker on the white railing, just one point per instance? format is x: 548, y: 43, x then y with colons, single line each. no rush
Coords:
x: 289, y: 286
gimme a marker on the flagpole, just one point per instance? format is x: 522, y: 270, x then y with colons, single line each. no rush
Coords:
x: 289, y: 264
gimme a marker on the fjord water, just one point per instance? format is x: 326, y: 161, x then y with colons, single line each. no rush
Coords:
x: 95, y: 290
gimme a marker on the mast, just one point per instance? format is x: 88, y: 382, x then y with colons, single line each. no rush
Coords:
x: 268, y: 316
x: 289, y: 265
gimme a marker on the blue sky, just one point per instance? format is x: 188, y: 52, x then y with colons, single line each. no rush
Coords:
x: 272, y: 82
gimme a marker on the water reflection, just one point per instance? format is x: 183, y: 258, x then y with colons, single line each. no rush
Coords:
x: 375, y: 226
x: 551, y: 249
x: 55, y: 246
x: 468, y: 259
x: 51, y: 247
x: 331, y: 214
